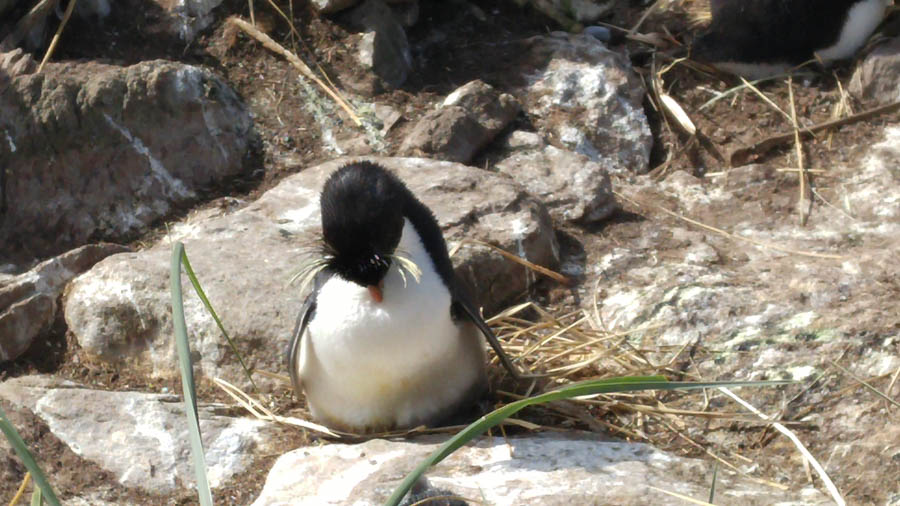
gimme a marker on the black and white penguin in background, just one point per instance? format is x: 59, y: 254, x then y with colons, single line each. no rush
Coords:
x: 386, y: 339
x: 762, y: 38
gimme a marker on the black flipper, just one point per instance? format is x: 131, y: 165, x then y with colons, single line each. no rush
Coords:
x: 462, y: 303
x: 292, y: 353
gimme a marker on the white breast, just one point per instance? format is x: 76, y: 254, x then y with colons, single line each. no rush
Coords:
x: 862, y: 20
x: 365, y: 364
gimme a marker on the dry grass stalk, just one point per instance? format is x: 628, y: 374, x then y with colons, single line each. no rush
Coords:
x: 766, y: 99
x: 841, y: 107
x: 275, y: 47
x: 21, y: 491
x: 804, y: 201
x: 559, y: 278
x: 832, y: 489
x: 644, y: 16
x: 865, y: 384
x: 261, y: 412
x: 680, y: 496
x: 742, y: 155
x: 56, y: 35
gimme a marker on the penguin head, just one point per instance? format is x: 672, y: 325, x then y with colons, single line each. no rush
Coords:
x: 362, y: 221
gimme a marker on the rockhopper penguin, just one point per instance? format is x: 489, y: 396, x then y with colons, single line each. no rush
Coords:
x: 760, y: 38
x: 386, y: 339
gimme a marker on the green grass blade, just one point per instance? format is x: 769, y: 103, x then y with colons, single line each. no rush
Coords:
x: 36, y: 497
x: 200, y: 293
x: 18, y: 444
x: 187, y: 377
x: 589, y: 387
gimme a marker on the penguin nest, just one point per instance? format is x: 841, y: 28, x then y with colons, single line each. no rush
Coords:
x: 574, y: 346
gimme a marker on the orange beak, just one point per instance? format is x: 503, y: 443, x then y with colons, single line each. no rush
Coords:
x: 375, y: 291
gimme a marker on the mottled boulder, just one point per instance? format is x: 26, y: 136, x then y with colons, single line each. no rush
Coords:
x: 28, y: 301
x: 815, y: 304
x: 140, y: 438
x: 546, y: 469
x: 98, y: 151
x: 14, y: 63
x: 586, y: 98
x: 877, y: 77
x: 468, y: 119
x: 120, y: 310
x: 574, y: 188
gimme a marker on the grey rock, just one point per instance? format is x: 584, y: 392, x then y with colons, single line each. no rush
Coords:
x: 600, y: 33
x: 877, y: 78
x: 468, y: 119
x: 773, y: 300
x: 574, y: 188
x: 141, y: 438
x: 546, y: 469
x: 120, y: 310
x: 737, y: 296
x: 331, y: 6
x: 586, y: 98
x: 28, y: 301
x: 23, y: 321
x: 383, y: 50
x: 184, y: 19
x: 582, y: 11
x: 97, y: 151
x: 14, y: 63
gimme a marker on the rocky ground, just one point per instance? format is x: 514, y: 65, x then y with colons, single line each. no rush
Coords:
x: 699, y: 257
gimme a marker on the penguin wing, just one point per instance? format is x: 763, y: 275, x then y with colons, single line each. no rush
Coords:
x: 463, y: 306
x: 307, y: 311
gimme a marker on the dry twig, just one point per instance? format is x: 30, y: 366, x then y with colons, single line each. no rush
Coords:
x: 804, y: 201
x: 273, y: 46
x: 741, y: 156
x: 56, y: 36
x: 832, y: 489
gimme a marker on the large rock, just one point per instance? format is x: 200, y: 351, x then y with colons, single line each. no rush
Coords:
x: 586, y: 98
x: 789, y: 305
x: 540, y: 469
x: 468, y: 119
x: 574, y: 188
x: 140, y: 438
x: 877, y: 78
x: 97, y: 151
x: 28, y: 301
x: 181, y: 19
x: 751, y: 295
x: 244, y: 258
x: 14, y: 63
